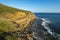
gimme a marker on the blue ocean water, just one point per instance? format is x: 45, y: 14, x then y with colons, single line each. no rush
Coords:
x: 54, y: 17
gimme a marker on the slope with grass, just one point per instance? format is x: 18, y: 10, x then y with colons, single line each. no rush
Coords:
x: 13, y: 20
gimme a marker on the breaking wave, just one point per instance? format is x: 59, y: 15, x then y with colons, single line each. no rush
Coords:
x: 45, y: 25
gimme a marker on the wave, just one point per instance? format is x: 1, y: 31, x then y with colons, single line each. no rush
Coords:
x: 45, y: 25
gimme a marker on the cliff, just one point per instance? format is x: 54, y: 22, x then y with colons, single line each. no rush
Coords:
x: 12, y: 20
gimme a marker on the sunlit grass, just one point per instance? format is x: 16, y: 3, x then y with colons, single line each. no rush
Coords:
x: 6, y: 26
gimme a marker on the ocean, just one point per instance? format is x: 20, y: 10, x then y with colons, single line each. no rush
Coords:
x: 53, y: 17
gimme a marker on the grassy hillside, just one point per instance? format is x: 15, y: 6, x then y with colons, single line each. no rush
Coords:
x: 5, y: 30
x: 5, y: 11
x: 13, y: 21
x: 4, y: 8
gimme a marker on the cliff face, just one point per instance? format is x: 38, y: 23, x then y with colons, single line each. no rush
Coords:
x: 13, y: 20
x: 21, y: 17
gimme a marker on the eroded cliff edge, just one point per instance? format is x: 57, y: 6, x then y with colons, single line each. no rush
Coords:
x: 13, y: 20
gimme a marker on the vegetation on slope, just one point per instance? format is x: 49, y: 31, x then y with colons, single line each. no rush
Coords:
x: 5, y: 30
x: 13, y: 21
x: 6, y: 26
x: 4, y: 9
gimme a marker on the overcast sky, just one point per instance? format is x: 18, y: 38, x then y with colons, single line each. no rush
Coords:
x: 34, y: 5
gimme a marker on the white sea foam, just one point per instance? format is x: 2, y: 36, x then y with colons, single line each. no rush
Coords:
x: 45, y: 25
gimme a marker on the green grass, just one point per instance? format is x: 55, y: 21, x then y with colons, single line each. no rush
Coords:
x: 4, y: 9
x: 5, y: 29
x: 6, y: 26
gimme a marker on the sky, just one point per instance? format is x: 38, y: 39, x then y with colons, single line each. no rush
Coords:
x: 50, y: 6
